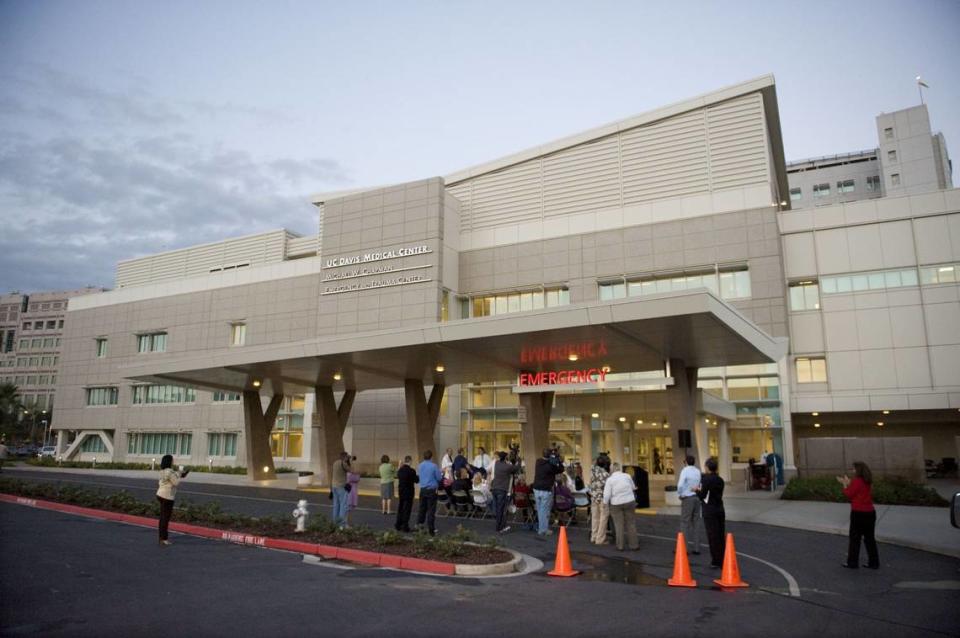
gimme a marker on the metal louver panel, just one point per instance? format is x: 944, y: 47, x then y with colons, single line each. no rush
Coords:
x: 665, y: 159
x: 738, y: 148
x: 585, y: 177
x: 509, y: 196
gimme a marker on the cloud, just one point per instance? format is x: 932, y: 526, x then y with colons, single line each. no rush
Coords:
x: 76, y: 197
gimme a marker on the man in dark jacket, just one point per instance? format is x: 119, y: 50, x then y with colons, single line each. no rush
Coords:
x: 543, y: 477
x: 406, y: 478
x: 710, y: 492
x: 503, y: 473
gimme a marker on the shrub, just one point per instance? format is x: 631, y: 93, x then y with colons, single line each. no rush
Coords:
x: 48, y: 461
x: 889, y: 490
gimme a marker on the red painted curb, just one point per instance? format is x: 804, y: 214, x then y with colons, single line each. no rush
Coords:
x: 326, y: 551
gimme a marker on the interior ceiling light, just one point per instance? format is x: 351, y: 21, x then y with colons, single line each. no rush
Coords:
x: 595, y: 415
x: 815, y: 414
x: 880, y: 424
x: 886, y: 411
x: 439, y: 367
x: 639, y: 421
x: 666, y: 426
x: 337, y: 376
x: 605, y: 368
x: 623, y: 419
x: 256, y: 383
x: 816, y: 425
x: 573, y: 356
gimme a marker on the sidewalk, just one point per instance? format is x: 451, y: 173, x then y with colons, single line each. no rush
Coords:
x: 923, y: 528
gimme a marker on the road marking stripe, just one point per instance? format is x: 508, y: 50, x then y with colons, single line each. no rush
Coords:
x: 791, y: 581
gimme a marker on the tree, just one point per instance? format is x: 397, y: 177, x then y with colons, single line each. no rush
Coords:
x: 10, y: 407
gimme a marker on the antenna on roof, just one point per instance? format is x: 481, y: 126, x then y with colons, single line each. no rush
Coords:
x: 921, y: 85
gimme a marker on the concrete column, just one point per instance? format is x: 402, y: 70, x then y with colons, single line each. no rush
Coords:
x: 422, y: 414
x: 701, y: 441
x: 682, y: 408
x: 328, y: 423
x: 61, y: 442
x: 723, y: 449
x: 257, y: 425
x: 535, y: 431
x: 617, y: 455
x: 586, y: 441
x: 789, y: 459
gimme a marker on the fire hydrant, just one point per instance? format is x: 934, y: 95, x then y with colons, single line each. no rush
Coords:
x: 301, y: 514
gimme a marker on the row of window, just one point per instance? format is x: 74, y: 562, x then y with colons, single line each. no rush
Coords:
x: 51, y: 324
x: 153, y: 395
x: 507, y: 303
x: 157, y: 341
x: 843, y: 186
x: 159, y: 443
x: 32, y: 379
x: 33, y: 362
x: 805, y: 295
x: 37, y: 401
x: 35, y: 344
x: 728, y: 284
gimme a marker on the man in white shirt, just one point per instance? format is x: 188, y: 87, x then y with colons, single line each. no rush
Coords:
x: 481, y: 462
x: 690, y: 523
x: 618, y: 495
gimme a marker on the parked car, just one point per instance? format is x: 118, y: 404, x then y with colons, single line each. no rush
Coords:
x: 47, y: 450
x: 27, y: 450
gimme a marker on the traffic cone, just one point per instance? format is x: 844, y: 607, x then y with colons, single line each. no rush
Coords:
x: 681, y: 566
x: 563, y: 565
x: 730, y: 576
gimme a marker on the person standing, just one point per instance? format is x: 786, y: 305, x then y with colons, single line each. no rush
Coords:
x: 481, y: 461
x: 863, y: 517
x: 446, y: 464
x: 387, y: 474
x: 406, y: 479
x: 546, y: 468
x: 710, y: 492
x: 166, y: 493
x: 338, y: 485
x: 690, y: 504
x: 618, y: 496
x: 353, y: 489
x: 599, y: 511
x: 459, y: 463
x: 430, y: 479
x: 503, y: 473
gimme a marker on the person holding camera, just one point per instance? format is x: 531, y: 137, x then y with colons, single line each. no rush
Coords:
x: 544, y: 474
x: 166, y: 492
x: 599, y: 511
x: 340, y: 488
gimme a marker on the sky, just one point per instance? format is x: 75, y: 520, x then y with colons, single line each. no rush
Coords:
x: 130, y: 127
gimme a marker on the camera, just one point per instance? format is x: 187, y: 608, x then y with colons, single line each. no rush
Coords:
x: 514, y: 454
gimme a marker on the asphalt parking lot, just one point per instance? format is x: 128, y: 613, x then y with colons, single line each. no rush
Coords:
x: 69, y: 575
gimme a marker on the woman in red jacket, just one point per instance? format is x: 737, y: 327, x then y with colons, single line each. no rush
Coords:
x: 863, y: 518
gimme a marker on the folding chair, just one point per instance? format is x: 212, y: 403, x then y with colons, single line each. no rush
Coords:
x: 481, y: 504
x: 462, y: 504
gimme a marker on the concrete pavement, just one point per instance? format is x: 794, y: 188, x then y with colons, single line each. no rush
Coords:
x: 923, y: 528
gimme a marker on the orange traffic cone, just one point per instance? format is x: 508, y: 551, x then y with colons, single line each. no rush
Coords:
x: 563, y: 565
x: 730, y: 577
x: 681, y: 566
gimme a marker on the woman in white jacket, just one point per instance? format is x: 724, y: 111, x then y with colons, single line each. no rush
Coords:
x: 166, y: 492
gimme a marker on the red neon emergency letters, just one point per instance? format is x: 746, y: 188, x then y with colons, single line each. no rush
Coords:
x: 561, y: 377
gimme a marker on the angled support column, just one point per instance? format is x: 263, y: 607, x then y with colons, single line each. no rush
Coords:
x: 535, y: 431
x: 682, y: 413
x: 329, y: 423
x: 586, y: 440
x: 422, y: 414
x: 257, y: 425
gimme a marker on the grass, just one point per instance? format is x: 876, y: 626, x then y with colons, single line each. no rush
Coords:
x: 886, y: 491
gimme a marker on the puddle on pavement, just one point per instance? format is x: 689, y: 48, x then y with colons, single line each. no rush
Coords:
x: 612, y: 569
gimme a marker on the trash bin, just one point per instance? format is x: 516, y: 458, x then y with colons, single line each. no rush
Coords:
x: 671, y: 496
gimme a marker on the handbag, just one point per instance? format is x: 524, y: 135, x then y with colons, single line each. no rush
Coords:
x: 348, y: 487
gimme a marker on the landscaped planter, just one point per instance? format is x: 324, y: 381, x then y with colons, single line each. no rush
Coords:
x: 304, y: 478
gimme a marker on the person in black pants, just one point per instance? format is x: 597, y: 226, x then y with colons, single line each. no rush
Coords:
x: 710, y: 493
x: 863, y: 517
x: 406, y: 479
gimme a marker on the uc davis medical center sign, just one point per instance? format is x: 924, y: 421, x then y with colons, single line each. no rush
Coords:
x: 364, y: 271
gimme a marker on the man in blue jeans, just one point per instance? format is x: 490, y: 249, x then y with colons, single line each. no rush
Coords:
x: 430, y: 478
x: 338, y: 482
x: 546, y: 469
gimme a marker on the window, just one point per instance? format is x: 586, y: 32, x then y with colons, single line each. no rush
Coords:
x: 51, y: 325
x: 506, y: 303
x: 238, y: 334
x: 36, y: 343
x: 888, y: 133
x: 159, y: 443
x: 26, y: 325
x: 60, y: 324
x: 48, y: 343
x: 162, y: 394
x: 101, y: 347
x: 873, y: 183
x: 821, y: 190
x: 729, y: 283
x: 811, y: 370
x: 152, y: 342
x: 796, y: 194
x: 944, y: 274
x: 805, y: 295
x: 46, y: 362
x: 846, y: 186
x: 38, y: 325
x: 102, y: 396
x: 225, y: 397
x: 93, y: 444
x: 735, y: 285
x: 613, y: 290
x: 222, y: 444
x: 24, y: 344
x: 879, y: 280
x: 892, y: 156
x: 895, y: 179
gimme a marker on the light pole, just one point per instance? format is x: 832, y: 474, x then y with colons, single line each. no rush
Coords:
x: 45, y: 422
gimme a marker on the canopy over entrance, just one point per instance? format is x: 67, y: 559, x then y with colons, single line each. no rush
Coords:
x: 544, y: 350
